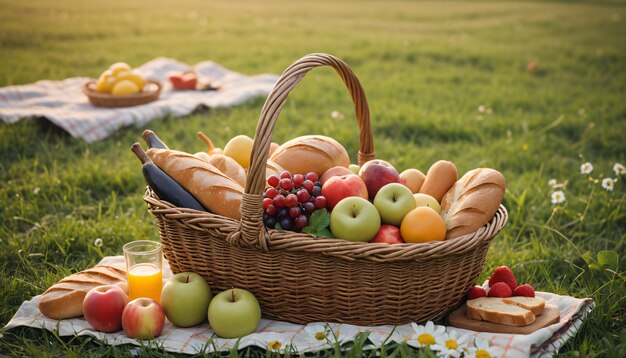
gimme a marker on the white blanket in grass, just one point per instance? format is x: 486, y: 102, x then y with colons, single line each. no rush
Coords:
x: 64, y: 104
x: 304, y: 338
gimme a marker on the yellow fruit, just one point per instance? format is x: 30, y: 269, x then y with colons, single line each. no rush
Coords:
x: 422, y: 224
x: 105, y: 82
x: 239, y: 148
x: 125, y: 87
x: 118, y: 67
x: 133, y: 77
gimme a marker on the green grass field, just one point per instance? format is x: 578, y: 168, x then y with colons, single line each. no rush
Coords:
x: 444, y: 80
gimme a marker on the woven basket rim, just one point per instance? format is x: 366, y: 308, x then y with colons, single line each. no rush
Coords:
x: 285, y: 240
x: 107, y: 99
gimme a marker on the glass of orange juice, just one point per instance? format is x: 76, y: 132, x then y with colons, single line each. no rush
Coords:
x: 143, y: 264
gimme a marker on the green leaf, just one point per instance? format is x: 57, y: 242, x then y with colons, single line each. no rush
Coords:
x: 608, y: 258
x: 278, y: 227
x: 319, y: 219
x: 324, y: 232
x: 308, y: 230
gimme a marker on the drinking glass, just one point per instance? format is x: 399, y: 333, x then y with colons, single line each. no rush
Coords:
x: 144, y: 260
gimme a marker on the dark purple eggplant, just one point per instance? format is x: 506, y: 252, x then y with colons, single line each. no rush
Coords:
x: 163, y: 185
x: 153, y: 140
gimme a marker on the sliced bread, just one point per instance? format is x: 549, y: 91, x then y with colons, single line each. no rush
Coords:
x: 494, y: 309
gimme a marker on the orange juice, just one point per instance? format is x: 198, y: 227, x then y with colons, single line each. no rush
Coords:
x: 145, y: 280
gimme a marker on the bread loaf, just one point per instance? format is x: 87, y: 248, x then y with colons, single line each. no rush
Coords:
x: 440, y: 177
x: 472, y: 201
x: 228, y: 166
x: 496, y: 310
x: 212, y: 188
x: 534, y: 304
x: 311, y: 153
x: 65, y: 298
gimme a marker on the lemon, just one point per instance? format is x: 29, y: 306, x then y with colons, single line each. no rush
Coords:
x: 118, y: 67
x: 133, y: 77
x: 239, y: 148
x: 125, y: 87
x: 105, y: 82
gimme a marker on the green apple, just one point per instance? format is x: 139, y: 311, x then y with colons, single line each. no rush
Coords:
x: 354, y: 168
x: 422, y: 199
x: 393, y: 201
x: 185, y: 298
x: 354, y: 219
x: 234, y: 313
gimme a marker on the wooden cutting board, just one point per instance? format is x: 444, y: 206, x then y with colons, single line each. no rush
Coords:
x: 458, y: 318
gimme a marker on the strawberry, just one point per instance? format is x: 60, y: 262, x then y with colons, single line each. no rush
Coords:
x: 503, y: 274
x: 476, y: 292
x: 500, y: 289
x: 525, y: 290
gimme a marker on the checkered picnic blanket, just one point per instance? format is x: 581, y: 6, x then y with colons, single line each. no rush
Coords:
x: 279, y: 336
x: 64, y: 104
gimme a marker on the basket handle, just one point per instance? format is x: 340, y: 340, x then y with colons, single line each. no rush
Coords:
x: 252, y: 230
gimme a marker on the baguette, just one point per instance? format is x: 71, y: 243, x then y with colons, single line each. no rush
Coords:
x: 228, y: 166
x: 65, y: 298
x: 440, y: 177
x: 472, y: 201
x: 496, y: 310
x: 212, y: 188
x: 311, y: 153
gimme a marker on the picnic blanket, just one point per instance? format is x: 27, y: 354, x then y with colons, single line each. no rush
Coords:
x: 64, y: 104
x: 281, y: 336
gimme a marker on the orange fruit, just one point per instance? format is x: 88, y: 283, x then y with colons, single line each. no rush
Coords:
x: 422, y: 224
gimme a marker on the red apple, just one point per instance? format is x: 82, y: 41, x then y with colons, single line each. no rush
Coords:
x: 376, y: 174
x: 388, y: 234
x: 334, y: 171
x: 343, y: 186
x: 103, y: 307
x: 184, y: 80
x: 143, y: 318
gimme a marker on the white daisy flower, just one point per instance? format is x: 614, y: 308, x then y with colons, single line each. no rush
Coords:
x: 586, y: 168
x: 481, y: 109
x: 97, y: 242
x: 336, y: 115
x: 619, y: 169
x: 452, y: 346
x: 274, y: 345
x: 319, y: 332
x: 608, y: 184
x: 552, y: 182
x: 558, y: 197
x: 482, y: 349
x: 427, y: 335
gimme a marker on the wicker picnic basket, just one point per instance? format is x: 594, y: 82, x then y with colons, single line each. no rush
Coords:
x: 299, y: 278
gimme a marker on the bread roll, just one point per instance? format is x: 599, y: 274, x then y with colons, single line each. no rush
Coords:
x: 439, y: 179
x: 472, y: 201
x: 496, y: 310
x: 212, y: 188
x: 65, y: 298
x: 311, y: 153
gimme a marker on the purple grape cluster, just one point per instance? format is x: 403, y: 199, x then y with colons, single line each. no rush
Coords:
x: 290, y: 200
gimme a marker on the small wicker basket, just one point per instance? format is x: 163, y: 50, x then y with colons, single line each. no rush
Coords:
x: 299, y: 278
x: 108, y: 100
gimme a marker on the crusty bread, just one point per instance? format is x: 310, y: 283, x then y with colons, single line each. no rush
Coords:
x: 440, y: 177
x: 228, y: 166
x: 472, y: 201
x: 534, y: 304
x: 496, y: 310
x: 65, y: 298
x: 311, y: 153
x: 212, y: 188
